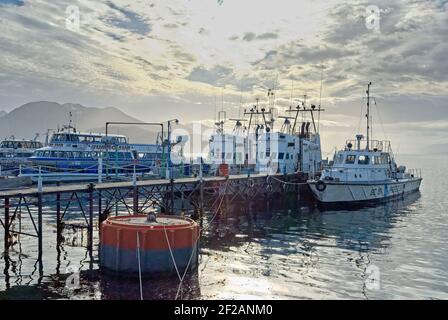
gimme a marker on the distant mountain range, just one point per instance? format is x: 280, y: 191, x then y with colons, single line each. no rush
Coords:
x: 34, y: 118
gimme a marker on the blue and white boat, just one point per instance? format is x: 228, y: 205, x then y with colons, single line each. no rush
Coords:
x: 77, y: 156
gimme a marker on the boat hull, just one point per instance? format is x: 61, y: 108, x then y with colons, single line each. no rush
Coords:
x: 347, y: 193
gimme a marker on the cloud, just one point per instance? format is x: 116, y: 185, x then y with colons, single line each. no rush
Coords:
x: 129, y: 20
x: 250, y: 36
x: 215, y: 76
x: 193, y: 49
x: 12, y: 2
x: 267, y: 36
x: 171, y: 25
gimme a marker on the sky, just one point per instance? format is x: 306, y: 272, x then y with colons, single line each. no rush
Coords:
x: 157, y: 60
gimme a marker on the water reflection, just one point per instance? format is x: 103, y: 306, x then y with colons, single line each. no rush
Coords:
x: 287, y: 249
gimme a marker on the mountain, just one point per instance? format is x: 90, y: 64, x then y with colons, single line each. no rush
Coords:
x: 37, y: 117
x: 26, y: 121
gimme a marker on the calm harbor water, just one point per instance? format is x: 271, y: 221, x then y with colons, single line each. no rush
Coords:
x: 292, y: 253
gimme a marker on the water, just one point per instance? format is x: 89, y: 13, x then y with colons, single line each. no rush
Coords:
x: 295, y: 253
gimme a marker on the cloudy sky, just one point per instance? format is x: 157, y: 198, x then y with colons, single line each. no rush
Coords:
x: 174, y: 58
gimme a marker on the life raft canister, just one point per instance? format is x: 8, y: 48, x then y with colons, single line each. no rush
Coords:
x: 321, y: 186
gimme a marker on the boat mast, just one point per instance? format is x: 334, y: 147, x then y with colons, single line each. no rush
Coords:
x: 368, y: 115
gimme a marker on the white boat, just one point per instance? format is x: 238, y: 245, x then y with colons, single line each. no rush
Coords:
x: 364, y: 171
x: 295, y: 148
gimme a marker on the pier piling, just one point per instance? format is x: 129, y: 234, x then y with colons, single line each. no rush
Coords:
x: 90, y: 230
x: 39, y: 226
x: 6, y: 224
x: 58, y: 218
x: 135, y: 199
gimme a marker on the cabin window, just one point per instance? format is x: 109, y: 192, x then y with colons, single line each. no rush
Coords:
x: 281, y: 155
x: 350, y: 159
x: 239, y: 157
x: 376, y: 160
x: 86, y: 139
x: 229, y: 156
x: 274, y: 155
x: 363, y: 160
x: 287, y: 156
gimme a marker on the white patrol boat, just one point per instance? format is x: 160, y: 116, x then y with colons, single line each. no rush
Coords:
x: 364, y: 171
x: 295, y: 148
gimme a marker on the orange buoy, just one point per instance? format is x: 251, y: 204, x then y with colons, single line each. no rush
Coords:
x: 223, y: 170
x: 133, y: 244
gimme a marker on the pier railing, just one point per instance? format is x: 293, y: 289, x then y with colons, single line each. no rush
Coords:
x: 101, y: 170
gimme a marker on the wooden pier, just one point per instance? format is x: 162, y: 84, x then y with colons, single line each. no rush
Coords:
x: 95, y: 202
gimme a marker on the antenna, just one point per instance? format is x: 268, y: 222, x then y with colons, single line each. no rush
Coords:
x: 320, y: 97
x: 368, y: 115
x: 222, y: 99
x: 214, y: 115
x: 241, y: 102
x: 292, y: 92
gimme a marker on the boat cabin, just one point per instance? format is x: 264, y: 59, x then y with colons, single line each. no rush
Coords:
x: 87, y: 138
x: 362, y: 162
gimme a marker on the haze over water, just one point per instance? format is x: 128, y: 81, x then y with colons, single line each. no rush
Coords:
x: 295, y: 253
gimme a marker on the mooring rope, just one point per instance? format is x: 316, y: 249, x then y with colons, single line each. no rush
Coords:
x: 290, y: 183
x: 181, y: 278
x: 171, y: 252
x: 197, y: 239
x: 139, y: 266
